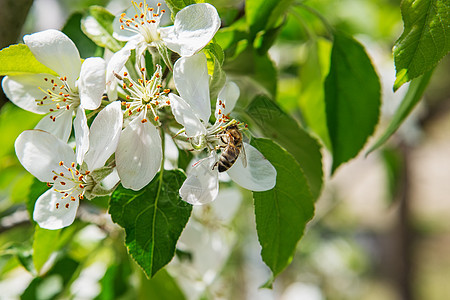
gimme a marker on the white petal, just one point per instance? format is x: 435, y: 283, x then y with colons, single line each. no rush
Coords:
x: 48, y: 216
x: 55, y: 50
x: 61, y: 127
x: 117, y: 63
x: 40, y: 152
x: 91, y: 84
x: 124, y: 35
x: 192, y: 81
x: 138, y: 154
x: 81, y: 134
x: 259, y: 175
x: 228, y: 95
x: 111, y: 180
x: 184, y: 115
x: 194, y: 26
x: 23, y: 90
x: 202, y: 183
x: 104, y: 136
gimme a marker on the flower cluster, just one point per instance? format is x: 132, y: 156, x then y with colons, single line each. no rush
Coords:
x: 133, y: 107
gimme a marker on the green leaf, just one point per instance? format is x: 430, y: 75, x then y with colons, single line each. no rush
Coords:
x: 184, y: 159
x: 280, y: 127
x: 43, y: 245
x: 85, y: 46
x: 264, y: 42
x: 161, y: 287
x: 153, y: 219
x: 312, y: 95
x: 395, y: 168
x: 415, y: 91
x: 176, y: 5
x: 97, y: 25
x: 116, y: 283
x: 425, y: 38
x: 352, y: 98
x: 54, y: 282
x: 283, y: 212
x: 48, y: 241
x: 18, y: 59
x: 258, y: 68
x: 36, y: 190
x: 215, y: 56
x: 264, y: 14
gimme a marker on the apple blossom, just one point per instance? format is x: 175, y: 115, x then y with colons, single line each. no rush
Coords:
x: 139, y: 152
x: 192, y: 110
x: 194, y: 27
x: 77, y: 86
x: 53, y: 161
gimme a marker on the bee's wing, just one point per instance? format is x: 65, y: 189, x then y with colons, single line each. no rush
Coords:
x: 243, y: 156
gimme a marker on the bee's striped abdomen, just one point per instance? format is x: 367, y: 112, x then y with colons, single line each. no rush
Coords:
x: 228, y: 157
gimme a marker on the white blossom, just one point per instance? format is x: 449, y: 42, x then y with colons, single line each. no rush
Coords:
x: 192, y: 110
x: 53, y: 161
x: 194, y: 27
x: 77, y: 86
x: 139, y: 152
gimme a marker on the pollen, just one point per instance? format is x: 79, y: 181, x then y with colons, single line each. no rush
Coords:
x: 61, y: 163
x: 143, y: 121
x: 67, y: 205
x: 156, y: 118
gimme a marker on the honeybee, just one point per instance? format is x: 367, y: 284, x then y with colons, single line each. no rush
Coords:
x: 233, y: 139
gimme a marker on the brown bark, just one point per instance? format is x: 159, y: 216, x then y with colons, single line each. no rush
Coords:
x: 13, y: 14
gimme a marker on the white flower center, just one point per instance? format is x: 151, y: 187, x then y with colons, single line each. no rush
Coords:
x: 145, y: 22
x: 145, y: 95
x: 59, y: 97
x: 70, y: 182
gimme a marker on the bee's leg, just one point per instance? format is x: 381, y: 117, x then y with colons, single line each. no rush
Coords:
x: 215, y: 165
